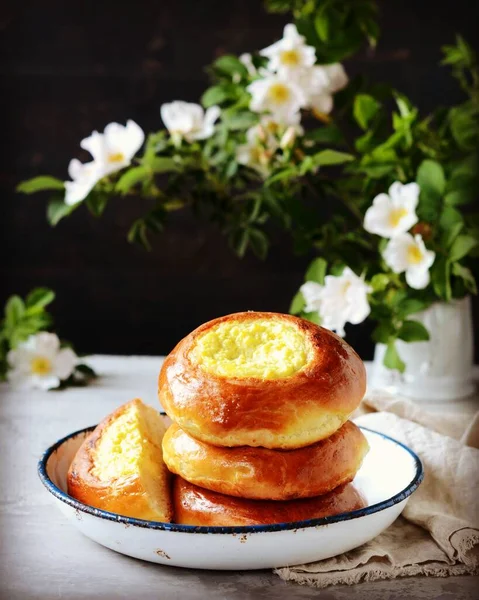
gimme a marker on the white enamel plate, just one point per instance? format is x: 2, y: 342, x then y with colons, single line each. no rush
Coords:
x: 390, y: 473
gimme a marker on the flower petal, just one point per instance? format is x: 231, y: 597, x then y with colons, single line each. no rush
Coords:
x: 47, y: 344
x: 64, y: 363
x: 417, y: 278
x: 311, y: 292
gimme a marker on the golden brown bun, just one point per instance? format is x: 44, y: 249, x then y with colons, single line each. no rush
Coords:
x: 287, y: 412
x: 263, y: 474
x: 119, y: 467
x: 197, y: 506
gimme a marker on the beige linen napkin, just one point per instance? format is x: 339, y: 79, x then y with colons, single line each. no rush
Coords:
x: 438, y: 532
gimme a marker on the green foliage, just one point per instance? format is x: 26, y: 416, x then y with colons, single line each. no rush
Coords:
x: 26, y: 317
x: 40, y: 184
x: 374, y: 137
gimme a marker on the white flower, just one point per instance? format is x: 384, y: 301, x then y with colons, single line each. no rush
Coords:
x: 342, y: 299
x: 320, y: 83
x: 40, y: 363
x: 84, y: 178
x: 289, y: 54
x: 405, y: 253
x: 393, y: 214
x: 114, y: 149
x: 311, y: 292
x: 189, y: 120
x: 282, y: 97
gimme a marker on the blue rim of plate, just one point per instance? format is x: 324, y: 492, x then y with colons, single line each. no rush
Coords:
x: 103, y: 514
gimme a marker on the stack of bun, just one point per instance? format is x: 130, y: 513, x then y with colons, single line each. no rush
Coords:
x: 260, y: 405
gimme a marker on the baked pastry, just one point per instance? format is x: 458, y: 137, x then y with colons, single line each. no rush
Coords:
x: 119, y: 467
x: 264, y: 474
x: 261, y: 379
x: 197, y: 506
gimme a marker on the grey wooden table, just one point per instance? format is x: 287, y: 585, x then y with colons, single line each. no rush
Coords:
x: 43, y: 557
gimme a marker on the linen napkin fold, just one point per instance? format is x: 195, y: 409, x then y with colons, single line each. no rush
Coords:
x: 438, y: 531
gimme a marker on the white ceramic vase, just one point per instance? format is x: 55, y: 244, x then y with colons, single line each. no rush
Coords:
x: 439, y: 369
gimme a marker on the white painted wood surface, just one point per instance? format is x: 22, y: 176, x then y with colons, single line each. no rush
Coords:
x: 43, y: 557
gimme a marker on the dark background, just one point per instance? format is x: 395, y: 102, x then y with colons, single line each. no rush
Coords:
x: 70, y: 67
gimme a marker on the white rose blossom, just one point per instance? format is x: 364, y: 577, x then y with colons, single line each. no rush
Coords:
x: 112, y: 150
x: 40, y: 363
x: 84, y: 177
x: 189, y: 121
x: 407, y: 254
x: 264, y: 139
x: 342, y: 299
x: 394, y: 213
x: 282, y: 97
x: 289, y: 54
x: 320, y: 83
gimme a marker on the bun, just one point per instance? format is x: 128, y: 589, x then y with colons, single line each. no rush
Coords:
x: 197, y: 506
x: 263, y: 474
x: 261, y: 379
x: 119, y: 467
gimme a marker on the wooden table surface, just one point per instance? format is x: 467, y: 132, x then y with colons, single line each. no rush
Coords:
x: 43, y: 557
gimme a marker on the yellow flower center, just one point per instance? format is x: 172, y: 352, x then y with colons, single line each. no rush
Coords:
x: 279, y: 93
x: 289, y: 58
x: 116, y: 157
x: 396, y: 215
x: 41, y: 365
x: 414, y: 254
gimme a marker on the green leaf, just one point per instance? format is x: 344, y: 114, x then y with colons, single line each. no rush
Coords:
x: 297, y: 304
x: 459, y: 197
x: 313, y: 317
x: 163, y: 164
x: 290, y: 172
x: 461, y: 246
x: 14, y: 311
x: 383, y: 332
x: 39, y: 297
x: 239, y: 120
x: 331, y: 157
x: 451, y: 222
x: 57, y: 210
x: 259, y: 242
x: 410, y: 306
x: 329, y: 134
x: 39, y: 184
x: 466, y: 275
x: 230, y: 65
x: 321, y: 24
x: 430, y: 177
x: 364, y: 109
x: 392, y: 360
x: 451, y: 231
x: 464, y: 122
x: 317, y: 271
x: 413, y: 331
x: 441, y: 278
x: 132, y: 177
x: 379, y: 282
x: 431, y: 180
x: 214, y: 95
x: 96, y: 203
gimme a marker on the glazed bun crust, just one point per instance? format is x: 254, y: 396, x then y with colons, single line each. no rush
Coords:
x: 196, y: 506
x: 264, y: 474
x: 145, y: 491
x: 290, y: 411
